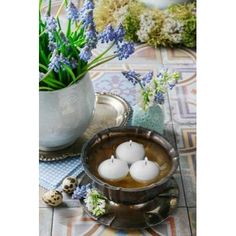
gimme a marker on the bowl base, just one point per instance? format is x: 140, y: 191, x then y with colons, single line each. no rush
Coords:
x: 138, y: 216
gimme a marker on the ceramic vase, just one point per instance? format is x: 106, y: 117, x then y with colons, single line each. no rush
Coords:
x: 152, y: 118
x: 65, y: 114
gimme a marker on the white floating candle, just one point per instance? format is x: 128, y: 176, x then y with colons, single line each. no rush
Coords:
x: 144, y: 171
x: 113, y: 169
x: 130, y: 152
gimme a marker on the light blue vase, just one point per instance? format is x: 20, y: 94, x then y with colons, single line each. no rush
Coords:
x: 152, y: 118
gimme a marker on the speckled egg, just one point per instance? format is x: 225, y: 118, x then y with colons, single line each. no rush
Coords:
x: 69, y: 184
x: 53, y: 198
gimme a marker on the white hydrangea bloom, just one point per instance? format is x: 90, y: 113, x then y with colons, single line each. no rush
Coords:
x: 146, y: 25
x: 173, y: 28
x: 120, y: 14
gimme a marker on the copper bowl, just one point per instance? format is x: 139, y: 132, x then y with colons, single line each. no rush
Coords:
x: 103, y: 142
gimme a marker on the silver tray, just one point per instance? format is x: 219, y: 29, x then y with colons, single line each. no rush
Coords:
x: 111, y: 111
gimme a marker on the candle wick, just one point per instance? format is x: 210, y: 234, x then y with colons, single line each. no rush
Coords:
x: 146, y: 159
x: 130, y: 143
x: 112, y: 158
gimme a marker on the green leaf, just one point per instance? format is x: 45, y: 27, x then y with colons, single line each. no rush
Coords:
x: 43, y: 88
x: 70, y: 72
x: 40, y: 4
x: 42, y: 55
x: 60, y: 76
x: 58, y: 22
x: 43, y: 67
x: 68, y: 31
x: 54, y: 83
x: 49, y: 7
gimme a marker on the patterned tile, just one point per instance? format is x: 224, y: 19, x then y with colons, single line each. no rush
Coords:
x: 185, y: 138
x: 170, y: 135
x: 192, y: 217
x: 182, y: 56
x: 188, y: 171
x: 74, y: 221
x: 183, y: 98
x: 186, y: 143
x: 45, y: 221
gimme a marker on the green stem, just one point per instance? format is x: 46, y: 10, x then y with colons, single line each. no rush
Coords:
x: 101, y: 55
x: 90, y: 68
x: 43, y: 67
x: 78, y: 77
x: 40, y: 4
x: 109, y: 58
x: 46, y: 75
x: 49, y: 7
x: 140, y: 84
x: 60, y: 8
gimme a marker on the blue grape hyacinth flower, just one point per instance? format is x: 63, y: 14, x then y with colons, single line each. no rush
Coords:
x: 81, y: 191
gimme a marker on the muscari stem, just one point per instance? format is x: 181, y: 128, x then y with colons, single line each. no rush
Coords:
x: 90, y: 68
x: 57, y: 14
x: 101, y: 55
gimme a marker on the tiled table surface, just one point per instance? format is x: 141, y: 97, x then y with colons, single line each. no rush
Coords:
x: 180, y: 123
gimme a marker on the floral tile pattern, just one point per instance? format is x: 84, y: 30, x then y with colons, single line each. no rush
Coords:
x: 180, y: 129
x: 73, y: 222
x: 188, y: 171
x: 183, y: 98
x: 178, y: 56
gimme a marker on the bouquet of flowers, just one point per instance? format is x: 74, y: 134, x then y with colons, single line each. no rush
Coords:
x: 65, y: 57
x: 153, y: 88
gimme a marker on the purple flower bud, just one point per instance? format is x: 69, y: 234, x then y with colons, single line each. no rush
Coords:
x: 159, y: 97
x: 57, y: 61
x: 72, y: 12
x: 125, y: 50
x: 86, y: 13
x: 147, y: 78
x: 85, y: 53
x: 91, y: 36
x: 51, y: 24
x: 107, y: 35
x: 63, y: 38
x: 119, y: 33
x: 73, y: 63
x: 132, y: 76
x: 81, y: 192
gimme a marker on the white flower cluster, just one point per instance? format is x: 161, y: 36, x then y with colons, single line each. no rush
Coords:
x: 155, y: 91
x: 120, y: 14
x: 146, y: 25
x: 95, y: 202
x: 173, y: 29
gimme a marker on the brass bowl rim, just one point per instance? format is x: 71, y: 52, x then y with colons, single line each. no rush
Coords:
x: 171, y: 151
